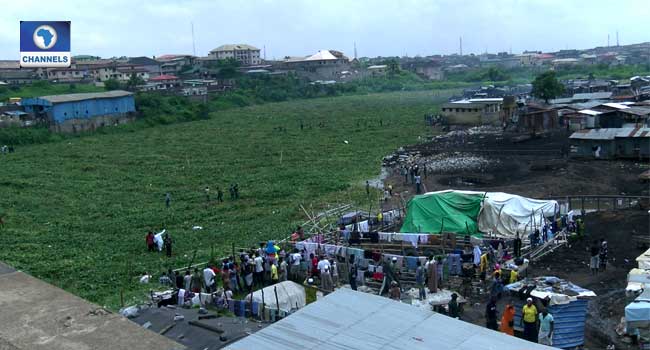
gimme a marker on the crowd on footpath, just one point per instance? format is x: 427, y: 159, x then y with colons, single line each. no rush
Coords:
x: 414, y: 173
x: 320, y: 269
x: 551, y: 227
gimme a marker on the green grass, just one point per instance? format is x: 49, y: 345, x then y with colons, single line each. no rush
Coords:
x: 43, y: 88
x: 77, y: 210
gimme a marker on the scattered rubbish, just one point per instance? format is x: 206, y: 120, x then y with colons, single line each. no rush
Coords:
x: 130, y: 312
x: 146, y: 325
x: 179, y: 317
x: 197, y: 228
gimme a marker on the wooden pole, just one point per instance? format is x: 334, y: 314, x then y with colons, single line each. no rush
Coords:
x: 277, y: 301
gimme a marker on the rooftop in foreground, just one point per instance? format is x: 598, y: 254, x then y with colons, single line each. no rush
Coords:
x: 353, y: 320
x: 37, y: 315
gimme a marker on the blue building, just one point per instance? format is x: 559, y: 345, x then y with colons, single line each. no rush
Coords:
x: 85, y: 111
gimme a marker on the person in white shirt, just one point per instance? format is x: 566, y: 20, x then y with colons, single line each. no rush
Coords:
x: 294, y: 268
x: 208, y: 278
x: 258, y: 276
x: 325, y: 267
x: 335, y: 273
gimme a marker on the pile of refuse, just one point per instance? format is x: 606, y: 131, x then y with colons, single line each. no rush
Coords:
x: 446, y: 163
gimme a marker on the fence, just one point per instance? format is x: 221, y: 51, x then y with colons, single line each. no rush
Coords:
x: 603, y: 202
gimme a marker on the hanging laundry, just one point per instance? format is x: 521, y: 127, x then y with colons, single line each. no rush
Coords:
x: 412, y: 262
x: 412, y: 238
x: 363, y: 226
x: 424, y: 239
x: 477, y: 255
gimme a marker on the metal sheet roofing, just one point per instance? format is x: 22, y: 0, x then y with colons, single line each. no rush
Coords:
x: 610, y: 133
x: 85, y: 96
x: 589, y: 112
x: 592, y: 96
x: 353, y: 320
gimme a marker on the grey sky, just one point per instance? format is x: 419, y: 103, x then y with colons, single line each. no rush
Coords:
x: 291, y: 27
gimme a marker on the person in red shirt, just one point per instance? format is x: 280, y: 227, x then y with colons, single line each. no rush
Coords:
x: 314, y: 265
x: 149, y: 240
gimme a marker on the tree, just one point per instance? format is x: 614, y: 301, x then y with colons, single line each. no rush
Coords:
x: 546, y: 86
x: 112, y: 84
x: 134, y: 81
x: 393, y: 67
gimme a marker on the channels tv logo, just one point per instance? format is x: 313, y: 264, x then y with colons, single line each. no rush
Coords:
x: 44, y: 44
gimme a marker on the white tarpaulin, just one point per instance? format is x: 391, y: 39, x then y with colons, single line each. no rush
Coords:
x: 638, y: 279
x: 291, y: 295
x: 506, y: 214
x: 644, y: 260
x: 637, y: 313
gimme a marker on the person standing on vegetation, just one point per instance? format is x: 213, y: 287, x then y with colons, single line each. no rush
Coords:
x: 368, y: 188
x: 187, y: 280
x: 284, y: 271
x: 208, y: 279
x: 168, y: 199
x: 164, y: 279
x: 167, y: 244
x: 231, y: 189
x: 236, y: 190
x: 207, y: 194
x: 197, y: 282
x: 219, y: 195
x: 149, y: 239
x: 259, y: 269
x: 172, y: 276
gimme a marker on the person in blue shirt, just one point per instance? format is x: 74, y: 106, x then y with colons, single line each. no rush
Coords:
x: 545, y: 334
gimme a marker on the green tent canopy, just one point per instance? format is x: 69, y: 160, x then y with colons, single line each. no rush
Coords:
x: 448, y: 211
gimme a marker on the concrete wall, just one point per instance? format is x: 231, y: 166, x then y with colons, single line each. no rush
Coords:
x: 76, y: 125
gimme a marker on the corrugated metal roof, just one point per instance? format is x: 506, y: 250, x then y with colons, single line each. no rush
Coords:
x: 592, y: 96
x: 589, y: 112
x: 85, y: 96
x: 610, y: 133
x: 616, y: 105
x: 353, y: 320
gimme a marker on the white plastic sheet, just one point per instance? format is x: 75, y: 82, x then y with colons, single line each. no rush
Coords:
x: 644, y: 260
x: 291, y: 295
x: 506, y: 214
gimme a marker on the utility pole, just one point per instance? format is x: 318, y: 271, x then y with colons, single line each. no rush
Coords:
x: 193, y: 43
x: 607, y: 39
x: 461, y: 45
x: 617, y: 38
x: 264, y: 52
x: 355, y: 50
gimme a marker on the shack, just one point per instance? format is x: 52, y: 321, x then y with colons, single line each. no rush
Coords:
x: 611, y: 143
x: 564, y: 300
x: 72, y: 113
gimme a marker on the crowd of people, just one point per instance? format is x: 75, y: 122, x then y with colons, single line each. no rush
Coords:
x: 414, y: 173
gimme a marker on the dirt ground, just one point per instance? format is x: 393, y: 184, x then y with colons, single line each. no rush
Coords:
x: 534, y: 168
x: 493, y: 161
x: 572, y: 263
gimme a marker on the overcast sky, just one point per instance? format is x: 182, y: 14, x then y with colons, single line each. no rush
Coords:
x: 294, y: 28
